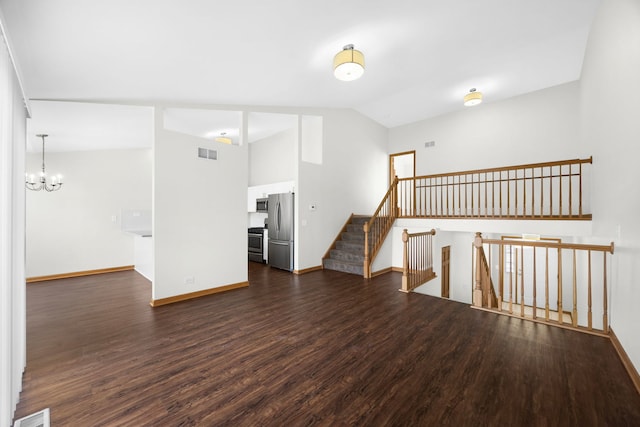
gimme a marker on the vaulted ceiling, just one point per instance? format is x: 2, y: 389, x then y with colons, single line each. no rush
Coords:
x: 421, y: 56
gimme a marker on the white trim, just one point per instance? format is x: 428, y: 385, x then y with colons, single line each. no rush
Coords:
x: 14, y: 63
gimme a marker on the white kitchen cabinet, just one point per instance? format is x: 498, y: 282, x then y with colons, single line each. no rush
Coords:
x: 263, y: 191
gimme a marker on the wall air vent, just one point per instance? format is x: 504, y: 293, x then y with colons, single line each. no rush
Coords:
x: 204, y: 153
x: 37, y: 419
x: 429, y: 144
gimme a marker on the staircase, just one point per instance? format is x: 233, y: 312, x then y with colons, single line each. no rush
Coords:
x: 347, y: 252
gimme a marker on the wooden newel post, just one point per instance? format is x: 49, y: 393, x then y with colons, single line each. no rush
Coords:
x: 366, y: 266
x: 405, y: 261
x: 477, y: 289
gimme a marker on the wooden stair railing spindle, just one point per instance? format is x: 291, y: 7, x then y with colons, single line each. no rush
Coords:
x: 605, y: 320
x: 546, y: 286
x: 574, y: 317
x: 560, y: 319
x: 535, y: 286
x: 521, y: 269
x: 589, y: 301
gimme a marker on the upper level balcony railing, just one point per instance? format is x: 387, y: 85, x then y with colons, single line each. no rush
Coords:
x: 552, y: 190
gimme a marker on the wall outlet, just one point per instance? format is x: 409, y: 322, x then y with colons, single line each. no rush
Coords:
x: 189, y: 280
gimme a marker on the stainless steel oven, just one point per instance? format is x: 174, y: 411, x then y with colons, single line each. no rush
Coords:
x: 256, y: 239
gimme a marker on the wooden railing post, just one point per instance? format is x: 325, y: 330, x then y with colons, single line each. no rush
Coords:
x: 367, y: 266
x: 405, y: 261
x: 477, y: 291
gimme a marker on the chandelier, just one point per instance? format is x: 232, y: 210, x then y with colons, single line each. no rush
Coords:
x: 41, y: 182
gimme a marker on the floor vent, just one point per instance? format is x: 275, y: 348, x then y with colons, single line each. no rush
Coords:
x: 38, y: 419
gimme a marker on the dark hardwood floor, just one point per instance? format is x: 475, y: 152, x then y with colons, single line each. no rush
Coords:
x: 326, y: 348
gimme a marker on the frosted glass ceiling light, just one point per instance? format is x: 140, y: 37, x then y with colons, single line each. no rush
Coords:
x: 224, y: 139
x: 472, y: 98
x: 348, y: 64
x: 41, y: 183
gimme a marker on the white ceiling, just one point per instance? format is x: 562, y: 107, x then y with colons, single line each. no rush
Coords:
x: 77, y: 126
x: 421, y: 56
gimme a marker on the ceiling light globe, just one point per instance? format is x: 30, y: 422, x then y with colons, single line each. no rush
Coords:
x: 348, y: 64
x: 472, y: 98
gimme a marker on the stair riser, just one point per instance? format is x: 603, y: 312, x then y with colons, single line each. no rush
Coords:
x: 355, y: 228
x: 360, y: 220
x: 331, y: 264
x: 357, y: 237
x: 347, y: 256
x: 350, y: 246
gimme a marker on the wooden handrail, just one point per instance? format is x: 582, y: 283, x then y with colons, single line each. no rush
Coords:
x: 543, y: 285
x: 549, y: 190
x: 509, y: 168
x: 543, y: 244
x: 417, y: 259
x: 377, y: 228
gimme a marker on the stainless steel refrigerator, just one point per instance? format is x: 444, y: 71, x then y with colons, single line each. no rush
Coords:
x: 280, y: 226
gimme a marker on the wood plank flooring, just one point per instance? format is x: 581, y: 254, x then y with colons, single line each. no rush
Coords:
x: 326, y: 349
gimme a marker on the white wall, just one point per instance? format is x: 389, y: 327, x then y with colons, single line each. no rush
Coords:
x: 72, y: 229
x: 610, y: 111
x: 199, y: 209
x: 537, y: 127
x: 351, y: 179
x: 12, y: 226
x: 274, y: 159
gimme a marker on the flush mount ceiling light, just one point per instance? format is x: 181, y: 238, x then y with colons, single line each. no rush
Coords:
x: 348, y: 64
x: 41, y: 183
x: 472, y: 98
x: 224, y: 139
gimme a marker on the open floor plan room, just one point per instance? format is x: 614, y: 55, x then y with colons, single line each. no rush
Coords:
x: 325, y: 348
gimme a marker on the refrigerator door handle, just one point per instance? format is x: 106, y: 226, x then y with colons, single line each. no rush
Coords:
x: 275, y: 242
x: 278, y: 216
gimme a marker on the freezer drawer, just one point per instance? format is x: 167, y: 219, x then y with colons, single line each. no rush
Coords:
x: 281, y: 254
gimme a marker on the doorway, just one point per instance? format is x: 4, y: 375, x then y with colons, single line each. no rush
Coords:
x: 402, y: 165
x: 520, y: 270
